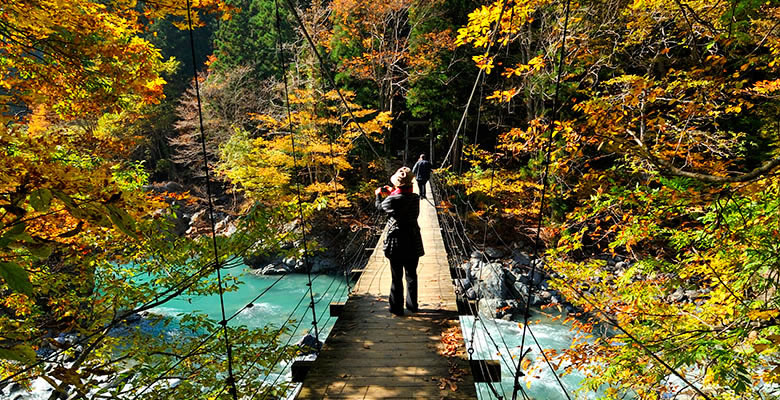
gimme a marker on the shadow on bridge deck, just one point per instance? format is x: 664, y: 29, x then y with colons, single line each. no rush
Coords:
x: 372, y: 354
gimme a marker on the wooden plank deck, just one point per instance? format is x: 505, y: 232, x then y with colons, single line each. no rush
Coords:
x: 372, y: 354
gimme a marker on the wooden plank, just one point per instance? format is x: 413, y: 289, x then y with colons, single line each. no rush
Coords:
x: 317, y: 375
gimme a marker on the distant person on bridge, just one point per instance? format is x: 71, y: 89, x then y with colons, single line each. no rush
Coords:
x: 403, y: 244
x: 422, y: 170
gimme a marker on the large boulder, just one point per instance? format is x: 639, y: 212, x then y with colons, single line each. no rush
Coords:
x: 170, y: 187
x: 538, y: 277
x: 260, y: 260
x: 492, y: 281
x: 473, y: 268
x: 309, y: 344
x: 226, y: 226
x: 519, y: 291
x: 324, y: 264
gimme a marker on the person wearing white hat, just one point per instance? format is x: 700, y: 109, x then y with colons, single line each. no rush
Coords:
x: 403, y: 243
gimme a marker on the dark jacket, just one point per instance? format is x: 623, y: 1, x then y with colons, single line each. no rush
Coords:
x: 422, y: 170
x: 403, y: 238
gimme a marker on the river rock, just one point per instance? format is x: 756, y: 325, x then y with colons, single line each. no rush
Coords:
x: 134, y: 318
x: 520, y: 257
x: 537, y: 299
x: 491, y: 282
x: 678, y: 295
x: 489, y: 307
x: 538, y: 277
x: 170, y: 186
x: 226, y: 226
x: 519, y: 291
x: 198, y: 218
x: 324, y: 264
x: 276, y: 269
x: 493, y: 253
x: 474, y: 268
x: 14, y: 388
x: 520, y: 276
x: 66, y: 339
x: 692, y: 294
x: 180, y: 223
x: 259, y: 260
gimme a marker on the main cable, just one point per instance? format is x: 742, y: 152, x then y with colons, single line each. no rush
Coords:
x: 306, y: 260
x: 328, y: 74
x: 536, y: 260
x: 476, y: 82
x: 231, y: 382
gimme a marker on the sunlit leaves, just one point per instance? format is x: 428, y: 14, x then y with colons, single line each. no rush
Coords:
x: 659, y: 112
x: 482, y: 21
x: 325, y: 137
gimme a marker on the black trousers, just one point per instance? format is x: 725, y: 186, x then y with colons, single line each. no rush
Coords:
x: 421, y: 186
x: 397, y: 268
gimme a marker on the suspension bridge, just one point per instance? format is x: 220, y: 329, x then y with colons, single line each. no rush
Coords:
x: 372, y: 354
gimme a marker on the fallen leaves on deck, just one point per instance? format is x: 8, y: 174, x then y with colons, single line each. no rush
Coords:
x: 452, y: 342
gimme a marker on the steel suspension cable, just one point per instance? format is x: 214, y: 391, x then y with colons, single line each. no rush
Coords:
x: 329, y: 75
x: 536, y: 260
x: 307, y: 262
x: 644, y: 347
x: 230, y: 379
x: 476, y: 82
x: 475, y: 313
x: 264, y: 351
x: 207, y: 339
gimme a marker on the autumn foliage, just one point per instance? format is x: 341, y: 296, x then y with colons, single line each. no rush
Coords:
x: 665, y: 152
x: 662, y: 152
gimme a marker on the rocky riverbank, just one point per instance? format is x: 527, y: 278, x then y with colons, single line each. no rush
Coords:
x: 278, y: 265
x: 191, y: 219
x: 501, y: 280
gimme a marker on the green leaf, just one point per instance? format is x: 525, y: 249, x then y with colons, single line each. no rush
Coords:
x: 40, y: 250
x: 121, y: 219
x: 16, y: 229
x: 20, y: 352
x: 40, y: 199
x: 16, y: 278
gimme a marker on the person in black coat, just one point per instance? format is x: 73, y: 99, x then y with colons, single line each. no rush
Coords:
x: 403, y: 243
x: 422, y: 170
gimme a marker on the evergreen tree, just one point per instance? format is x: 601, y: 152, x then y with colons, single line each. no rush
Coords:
x: 250, y: 38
